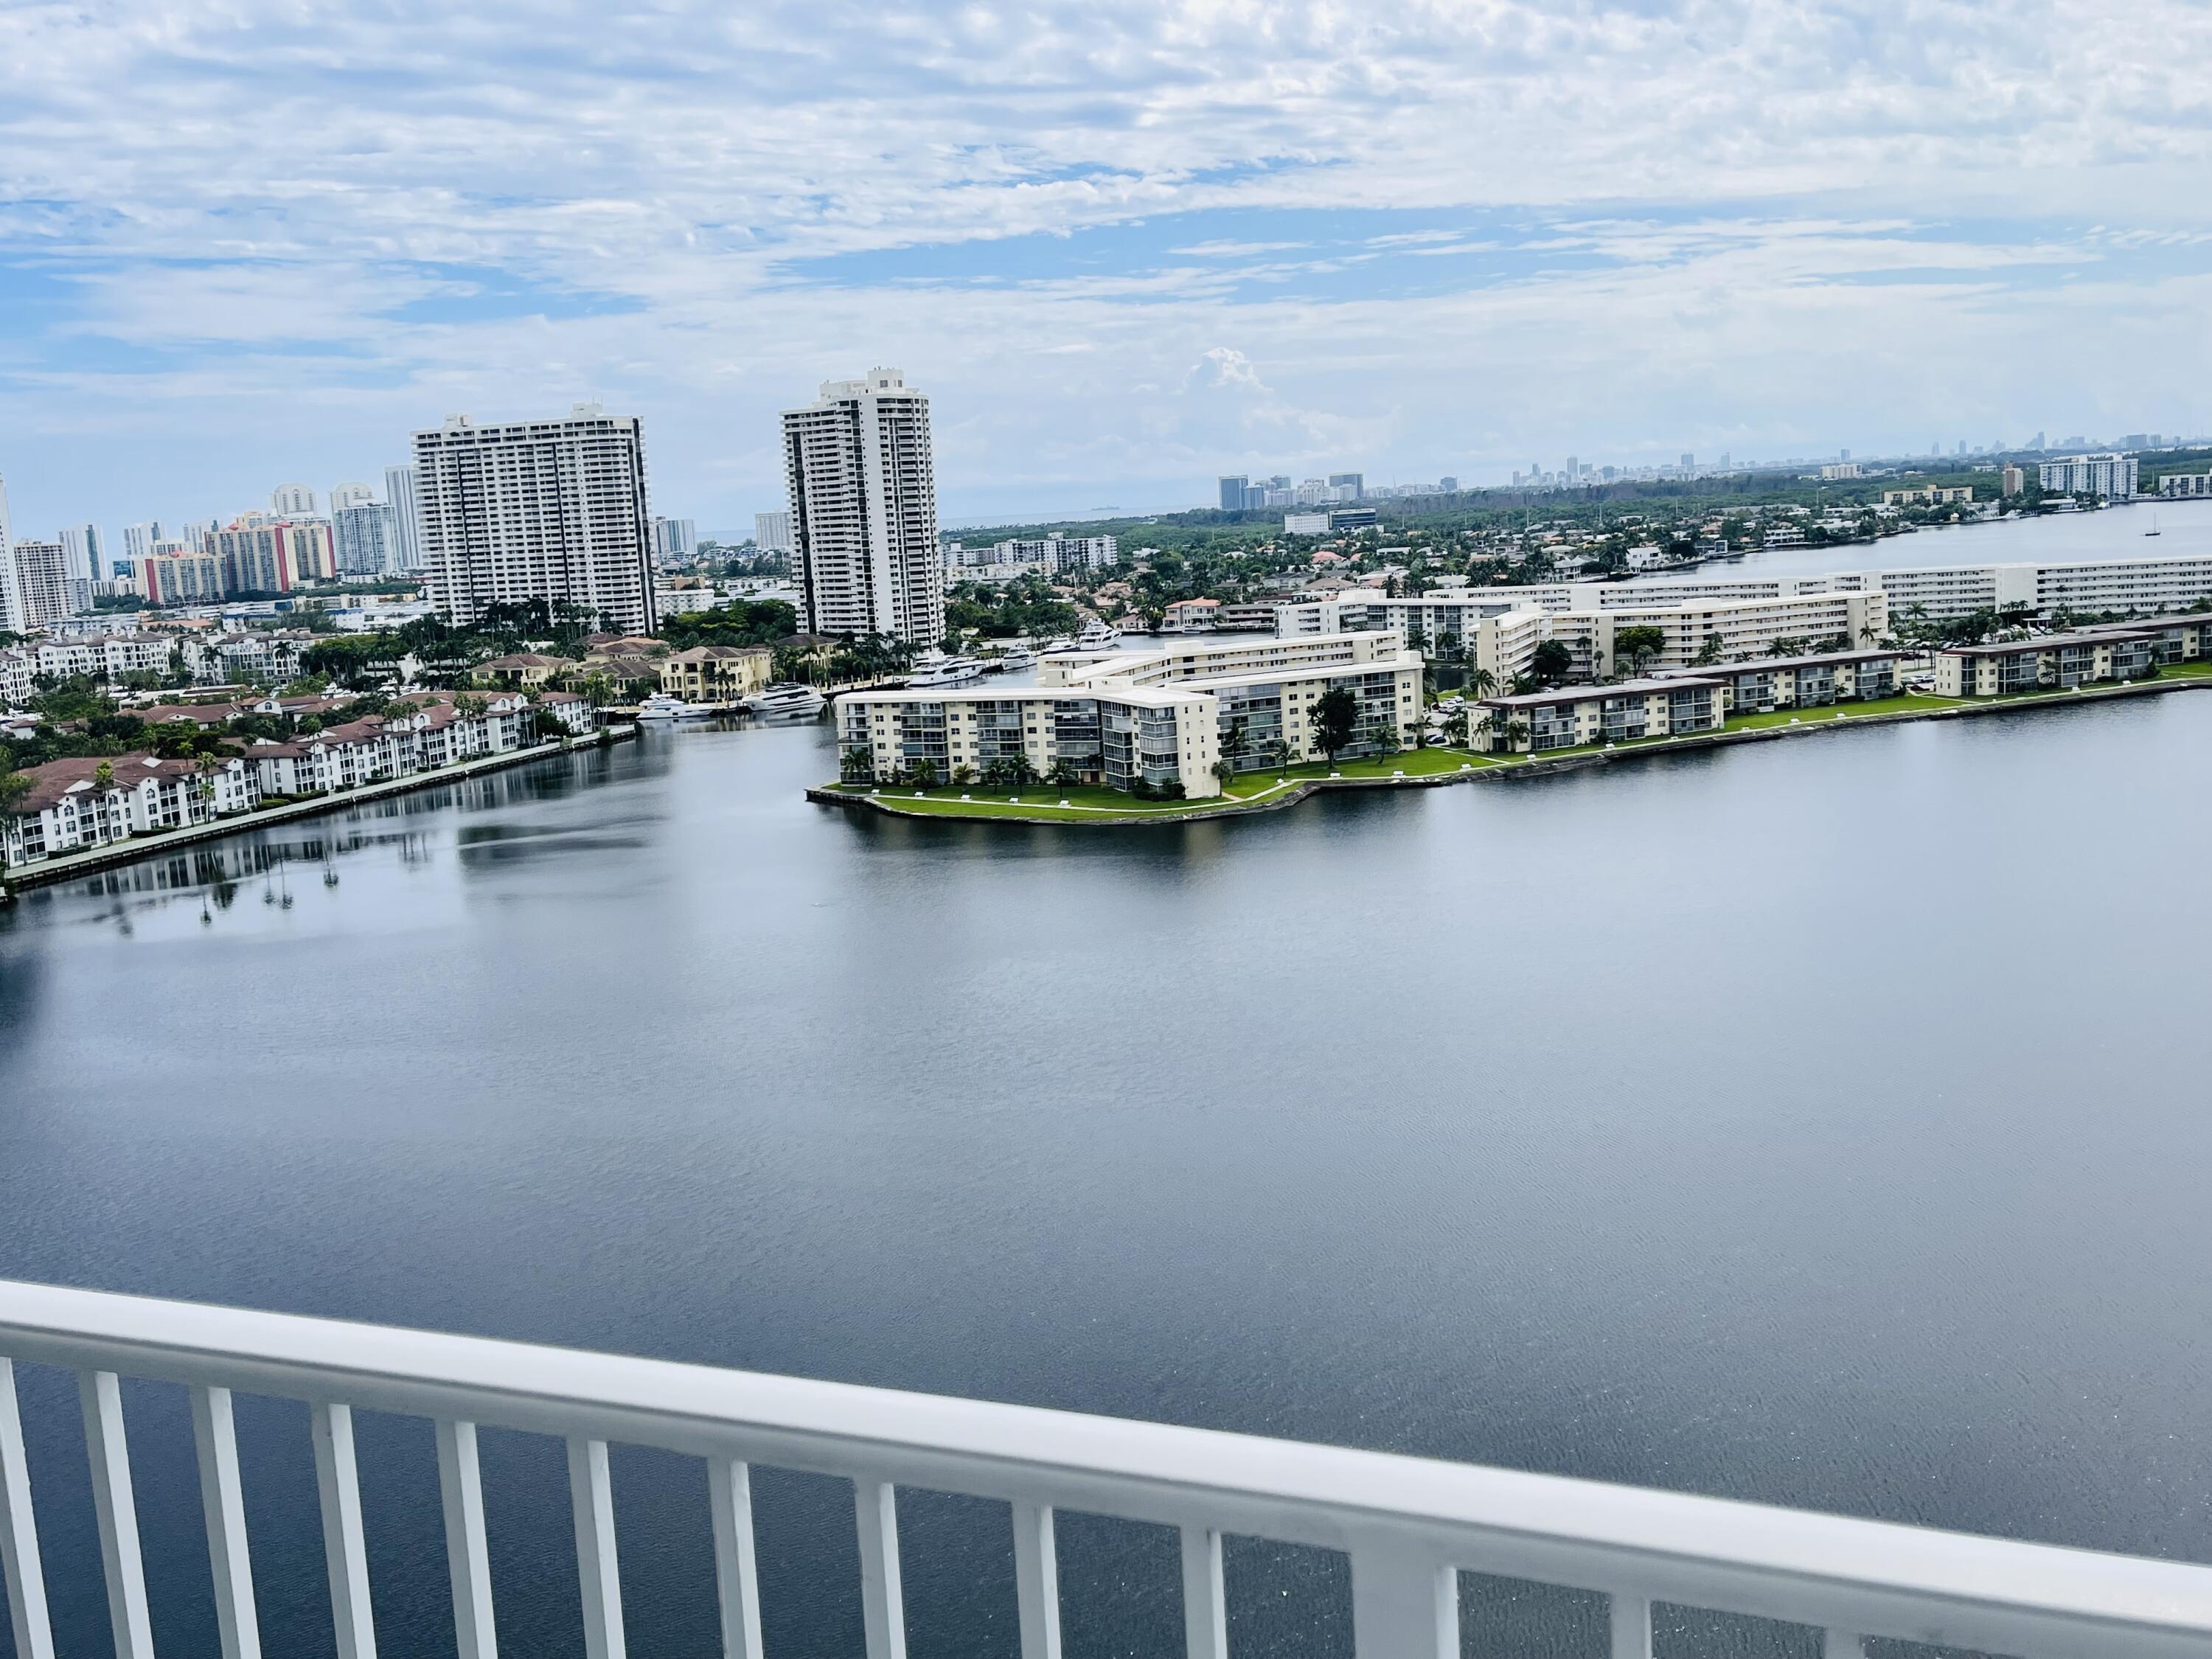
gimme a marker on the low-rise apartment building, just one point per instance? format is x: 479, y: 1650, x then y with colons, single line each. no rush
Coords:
x: 90, y: 801
x: 2185, y: 486
x: 1165, y: 716
x: 1700, y: 635
x: 2086, y: 657
x: 1574, y: 715
x: 1816, y: 681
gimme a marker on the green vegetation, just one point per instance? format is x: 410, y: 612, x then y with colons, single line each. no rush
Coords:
x: 1007, y: 611
x: 756, y: 621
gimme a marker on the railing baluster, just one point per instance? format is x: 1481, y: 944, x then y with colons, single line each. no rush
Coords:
x: 591, y: 1489
x: 101, y: 1393
x: 1632, y: 1628
x: 1037, y: 1581
x: 26, y: 1581
x: 468, y: 1558
x: 345, y: 1543
x: 1205, y: 1605
x: 1841, y: 1644
x: 736, y: 1584
x: 222, y: 1500
x: 1403, y: 1607
x: 883, y: 1604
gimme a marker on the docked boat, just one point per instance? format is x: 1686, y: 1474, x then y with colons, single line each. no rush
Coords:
x: 1054, y: 648
x: 662, y: 707
x: 786, y: 697
x: 1097, y: 636
x: 1015, y: 660
x: 942, y: 670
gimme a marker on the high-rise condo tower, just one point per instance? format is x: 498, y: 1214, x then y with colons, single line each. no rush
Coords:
x: 863, y: 510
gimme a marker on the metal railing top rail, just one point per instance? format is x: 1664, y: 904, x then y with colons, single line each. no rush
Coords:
x: 1874, y: 1578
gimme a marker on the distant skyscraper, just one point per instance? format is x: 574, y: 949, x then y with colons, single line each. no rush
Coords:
x: 1232, y: 492
x: 349, y: 495
x: 1689, y: 462
x: 43, y: 586
x: 138, y: 539
x: 772, y: 531
x: 863, y: 510
x: 406, y: 527
x: 291, y: 501
x: 552, y: 510
x: 676, y: 540
x: 1356, y: 482
x: 361, y: 538
x: 80, y: 553
x: 13, y: 618
x: 1844, y: 455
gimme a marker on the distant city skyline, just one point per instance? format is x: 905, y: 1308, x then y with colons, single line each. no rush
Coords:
x: 1121, y: 267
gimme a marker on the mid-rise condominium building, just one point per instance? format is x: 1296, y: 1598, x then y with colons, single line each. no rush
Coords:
x: 82, y: 559
x: 553, y: 510
x: 361, y: 534
x: 2187, y: 485
x: 344, y: 496
x: 863, y: 510
x: 675, y: 541
x: 178, y: 577
x: 772, y: 531
x: 292, y: 501
x: 405, y: 499
x: 2111, y: 476
x: 262, y: 554
x: 43, y: 589
x: 1161, y: 717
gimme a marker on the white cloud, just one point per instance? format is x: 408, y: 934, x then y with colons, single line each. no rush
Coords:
x: 235, y: 209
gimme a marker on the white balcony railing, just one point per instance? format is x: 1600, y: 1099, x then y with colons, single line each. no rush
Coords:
x: 1408, y: 1524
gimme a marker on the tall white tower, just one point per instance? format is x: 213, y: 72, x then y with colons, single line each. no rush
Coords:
x: 552, y: 510
x: 400, y: 491
x: 291, y: 501
x: 863, y: 510
x: 13, y: 617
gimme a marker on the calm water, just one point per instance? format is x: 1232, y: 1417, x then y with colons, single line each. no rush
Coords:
x: 1812, y: 1123
x: 2184, y: 531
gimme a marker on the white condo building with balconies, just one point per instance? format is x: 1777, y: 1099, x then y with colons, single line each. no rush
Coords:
x: 863, y: 492
x: 552, y: 510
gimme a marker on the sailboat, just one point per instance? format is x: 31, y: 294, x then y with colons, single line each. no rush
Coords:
x: 2154, y: 530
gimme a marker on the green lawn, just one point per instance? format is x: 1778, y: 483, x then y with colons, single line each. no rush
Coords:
x: 1085, y: 803
x: 1077, y: 803
x: 1904, y: 705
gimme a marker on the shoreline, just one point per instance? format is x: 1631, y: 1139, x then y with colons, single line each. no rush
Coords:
x: 1507, y: 768
x: 47, y: 872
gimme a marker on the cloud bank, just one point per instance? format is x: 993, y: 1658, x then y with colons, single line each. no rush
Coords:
x: 1124, y: 246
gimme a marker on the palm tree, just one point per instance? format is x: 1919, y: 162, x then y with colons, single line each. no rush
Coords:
x: 1480, y: 684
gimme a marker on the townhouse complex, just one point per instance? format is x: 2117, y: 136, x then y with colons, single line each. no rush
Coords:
x: 81, y: 803
x: 1155, y: 720
x: 248, y: 657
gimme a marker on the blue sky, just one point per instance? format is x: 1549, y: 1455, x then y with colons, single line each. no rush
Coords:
x: 1125, y: 246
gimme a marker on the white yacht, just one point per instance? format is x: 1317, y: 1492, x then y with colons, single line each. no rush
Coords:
x: 1015, y: 660
x: 786, y: 697
x: 941, y: 669
x: 1053, y: 648
x: 1099, y: 636
x: 662, y: 707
